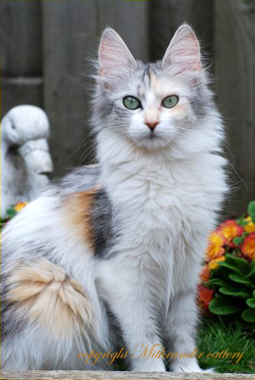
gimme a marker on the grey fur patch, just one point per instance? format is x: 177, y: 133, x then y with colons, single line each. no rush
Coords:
x: 201, y: 102
x: 104, y: 225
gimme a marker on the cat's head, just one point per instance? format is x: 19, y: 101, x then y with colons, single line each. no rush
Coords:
x: 151, y: 105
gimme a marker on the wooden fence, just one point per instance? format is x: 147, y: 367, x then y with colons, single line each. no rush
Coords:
x: 46, y: 46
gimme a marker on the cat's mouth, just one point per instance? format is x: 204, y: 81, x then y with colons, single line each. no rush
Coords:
x: 151, y: 141
x: 153, y: 136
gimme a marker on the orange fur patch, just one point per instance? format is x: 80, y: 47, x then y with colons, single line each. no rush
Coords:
x: 79, y: 207
x: 180, y: 110
x: 154, y: 82
x: 43, y: 292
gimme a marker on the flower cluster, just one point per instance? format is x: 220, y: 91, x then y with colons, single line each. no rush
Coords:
x: 229, y: 268
x: 19, y: 206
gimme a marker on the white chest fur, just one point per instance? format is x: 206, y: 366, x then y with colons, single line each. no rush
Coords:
x: 166, y: 208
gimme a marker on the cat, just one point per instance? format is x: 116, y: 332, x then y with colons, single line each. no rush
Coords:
x: 109, y: 256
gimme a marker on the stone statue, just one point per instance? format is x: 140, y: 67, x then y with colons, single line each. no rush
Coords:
x: 25, y: 157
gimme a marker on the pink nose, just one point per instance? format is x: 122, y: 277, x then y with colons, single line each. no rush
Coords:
x: 152, y: 125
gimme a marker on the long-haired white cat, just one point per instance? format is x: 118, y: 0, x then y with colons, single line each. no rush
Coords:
x: 109, y: 257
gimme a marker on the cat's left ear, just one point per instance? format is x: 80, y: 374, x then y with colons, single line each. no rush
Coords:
x: 183, y: 54
x: 115, y: 59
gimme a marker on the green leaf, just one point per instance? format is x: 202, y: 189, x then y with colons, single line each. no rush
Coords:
x: 217, y: 281
x: 241, y: 221
x: 235, y: 292
x: 248, y: 315
x: 251, y: 210
x: 252, y: 272
x: 242, y: 264
x: 251, y: 302
x: 253, y: 293
x: 223, y: 306
x: 238, y: 240
x: 240, y: 279
x: 10, y: 212
x: 225, y: 264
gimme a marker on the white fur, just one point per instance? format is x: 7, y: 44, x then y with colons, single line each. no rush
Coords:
x: 168, y: 208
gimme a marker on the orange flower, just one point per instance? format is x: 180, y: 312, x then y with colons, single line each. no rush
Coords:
x: 214, y: 263
x: 250, y: 226
x: 248, y: 246
x: 230, y: 229
x: 215, y: 247
x: 205, y: 295
x: 205, y: 273
x: 19, y: 206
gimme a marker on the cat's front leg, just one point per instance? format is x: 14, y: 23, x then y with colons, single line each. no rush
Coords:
x: 139, y: 333
x: 180, y: 332
x: 134, y: 313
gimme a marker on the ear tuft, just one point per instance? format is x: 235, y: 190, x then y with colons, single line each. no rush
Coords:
x: 183, y: 53
x: 115, y: 59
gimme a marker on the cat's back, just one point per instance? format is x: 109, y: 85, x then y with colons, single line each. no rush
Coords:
x: 48, y: 269
x: 48, y: 251
x: 79, y: 179
x: 49, y: 224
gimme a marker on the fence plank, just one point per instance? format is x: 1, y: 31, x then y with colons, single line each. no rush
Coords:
x: 122, y: 375
x: 167, y: 15
x: 235, y: 86
x: 17, y: 91
x: 21, y: 54
x: 69, y: 28
x: 130, y: 20
x: 21, y: 38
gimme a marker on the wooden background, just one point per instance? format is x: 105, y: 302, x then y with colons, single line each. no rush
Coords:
x: 46, y: 46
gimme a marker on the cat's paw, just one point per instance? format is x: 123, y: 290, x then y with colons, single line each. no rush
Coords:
x: 153, y: 365
x: 189, y: 367
x: 209, y: 370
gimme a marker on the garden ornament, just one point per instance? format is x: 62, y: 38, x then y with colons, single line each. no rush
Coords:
x: 25, y: 156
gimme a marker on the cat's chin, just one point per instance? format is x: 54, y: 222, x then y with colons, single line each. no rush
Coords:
x: 151, y: 142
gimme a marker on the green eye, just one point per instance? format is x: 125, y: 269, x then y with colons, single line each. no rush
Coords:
x: 131, y: 103
x: 170, y: 101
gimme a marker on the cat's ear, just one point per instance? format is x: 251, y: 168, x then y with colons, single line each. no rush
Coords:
x: 183, y: 54
x: 115, y: 59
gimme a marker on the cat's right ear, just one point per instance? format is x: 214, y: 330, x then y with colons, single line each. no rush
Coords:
x: 183, y: 56
x: 115, y: 60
